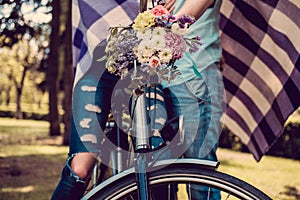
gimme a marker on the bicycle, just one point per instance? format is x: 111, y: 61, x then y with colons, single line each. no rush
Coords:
x: 148, y: 173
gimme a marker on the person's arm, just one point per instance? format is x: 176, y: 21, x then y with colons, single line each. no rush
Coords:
x: 169, y: 5
x: 194, y: 8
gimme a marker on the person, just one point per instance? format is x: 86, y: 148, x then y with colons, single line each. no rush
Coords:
x: 198, y: 92
x: 195, y: 86
x: 92, y: 91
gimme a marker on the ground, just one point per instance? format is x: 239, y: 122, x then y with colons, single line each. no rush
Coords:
x: 31, y: 162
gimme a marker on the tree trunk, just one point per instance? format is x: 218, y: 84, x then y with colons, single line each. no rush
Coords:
x: 52, y: 71
x: 19, y: 89
x: 68, y: 77
x: 7, y: 100
x: 18, y: 114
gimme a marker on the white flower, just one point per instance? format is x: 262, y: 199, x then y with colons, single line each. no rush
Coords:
x: 148, y: 52
x: 165, y: 55
x: 158, y: 42
x: 179, y: 31
x: 158, y: 31
x: 142, y: 54
x: 144, y: 34
x: 142, y: 58
x: 144, y: 44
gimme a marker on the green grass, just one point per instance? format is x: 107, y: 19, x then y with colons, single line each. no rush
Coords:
x: 30, y: 167
x: 25, y: 107
x: 278, y: 177
x: 22, y: 131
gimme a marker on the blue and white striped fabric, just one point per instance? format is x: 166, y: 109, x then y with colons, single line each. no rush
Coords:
x: 91, y: 20
x: 261, y: 42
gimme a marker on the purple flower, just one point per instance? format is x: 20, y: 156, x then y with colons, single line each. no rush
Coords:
x: 126, y: 43
x: 194, y: 48
x: 176, y: 43
x: 185, y: 19
x: 198, y: 38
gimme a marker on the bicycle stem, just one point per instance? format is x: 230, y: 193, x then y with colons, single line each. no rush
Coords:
x: 141, y: 124
x: 143, y: 5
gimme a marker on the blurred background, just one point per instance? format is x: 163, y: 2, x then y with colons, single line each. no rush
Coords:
x: 36, y: 77
x: 36, y: 61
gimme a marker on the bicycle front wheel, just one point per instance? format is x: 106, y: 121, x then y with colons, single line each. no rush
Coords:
x: 181, y: 171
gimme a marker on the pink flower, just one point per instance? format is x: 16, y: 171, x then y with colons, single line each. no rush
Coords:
x: 154, y: 62
x: 159, y: 10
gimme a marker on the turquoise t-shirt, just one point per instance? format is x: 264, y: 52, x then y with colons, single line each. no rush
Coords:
x: 207, y: 27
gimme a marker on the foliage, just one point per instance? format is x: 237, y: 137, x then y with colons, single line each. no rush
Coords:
x: 23, y: 58
x: 287, y: 145
x: 20, y: 17
x: 24, y: 28
x: 35, y: 21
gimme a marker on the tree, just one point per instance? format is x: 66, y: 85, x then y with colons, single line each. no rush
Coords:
x: 30, y: 17
x: 24, y: 56
x: 68, y: 74
x: 52, y: 70
x: 25, y: 17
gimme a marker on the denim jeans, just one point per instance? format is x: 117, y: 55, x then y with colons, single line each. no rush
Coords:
x: 92, y: 102
x: 200, y: 101
x: 70, y: 186
x: 91, y: 105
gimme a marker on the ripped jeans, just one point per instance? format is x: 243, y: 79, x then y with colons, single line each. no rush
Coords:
x: 92, y: 102
x: 90, y: 108
x: 199, y: 100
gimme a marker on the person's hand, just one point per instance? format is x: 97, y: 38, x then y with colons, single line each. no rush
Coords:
x: 169, y: 5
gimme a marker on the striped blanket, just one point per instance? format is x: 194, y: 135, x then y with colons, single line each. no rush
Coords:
x: 261, y: 41
x: 91, y: 20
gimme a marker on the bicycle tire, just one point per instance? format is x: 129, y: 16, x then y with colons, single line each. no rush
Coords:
x: 178, y: 171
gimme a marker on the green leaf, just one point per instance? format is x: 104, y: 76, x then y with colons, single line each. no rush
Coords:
x: 114, y: 31
x: 102, y: 59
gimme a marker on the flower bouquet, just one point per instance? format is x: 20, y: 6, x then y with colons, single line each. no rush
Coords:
x: 150, y: 46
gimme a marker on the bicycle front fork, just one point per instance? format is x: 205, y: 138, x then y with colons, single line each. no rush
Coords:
x: 142, y: 177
